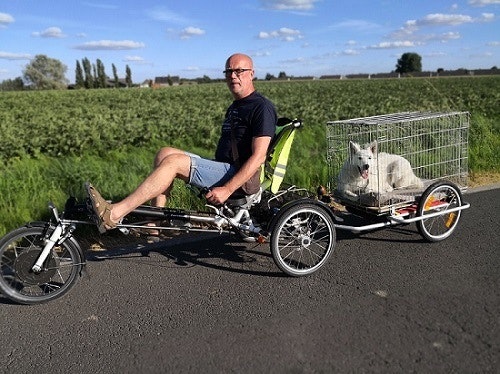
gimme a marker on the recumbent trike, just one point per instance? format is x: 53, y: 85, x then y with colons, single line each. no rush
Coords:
x: 41, y: 261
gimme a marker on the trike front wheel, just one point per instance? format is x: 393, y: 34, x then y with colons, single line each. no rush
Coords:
x: 302, y: 239
x: 438, y: 199
x: 19, y: 251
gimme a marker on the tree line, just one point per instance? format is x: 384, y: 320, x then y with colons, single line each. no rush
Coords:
x: 45, y: 73
x: 88, y: 75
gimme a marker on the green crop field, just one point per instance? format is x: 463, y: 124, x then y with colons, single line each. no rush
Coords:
x: 51, y: 142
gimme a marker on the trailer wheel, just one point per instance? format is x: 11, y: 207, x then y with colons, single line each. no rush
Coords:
x: 439, y: 198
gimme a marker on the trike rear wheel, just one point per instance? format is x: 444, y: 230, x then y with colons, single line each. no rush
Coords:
x: 302, y: 239
x: 19, y: 250
x: 439, y: 197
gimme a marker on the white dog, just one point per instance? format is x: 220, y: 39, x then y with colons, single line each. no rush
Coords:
x: 369, y: 172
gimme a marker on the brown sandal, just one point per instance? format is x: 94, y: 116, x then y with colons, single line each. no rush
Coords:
x: 101, y: 208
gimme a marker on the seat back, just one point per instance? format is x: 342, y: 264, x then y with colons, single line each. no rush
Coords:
x: 277, y: 155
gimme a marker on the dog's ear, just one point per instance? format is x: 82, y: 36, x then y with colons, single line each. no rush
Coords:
x: 373, y: 147
x: 353, y: 147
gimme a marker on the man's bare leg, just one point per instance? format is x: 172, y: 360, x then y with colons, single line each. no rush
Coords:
x: 161, y: 200
x: 176, y: 165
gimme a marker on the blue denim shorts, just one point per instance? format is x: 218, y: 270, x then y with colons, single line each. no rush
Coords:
x: 209, y: 173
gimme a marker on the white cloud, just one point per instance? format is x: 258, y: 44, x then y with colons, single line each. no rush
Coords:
x: 297, y: 60
x: 481, y: 55
x: 137, y: 60
x: 110, y: 45
x: 284, y: 33
x: 392, y: 45
x: 163, y: 14
x: 289, y: 4
x: 350, y: 52
x: 357, y: 25
x: 189, y: 32
x: 133, y: 59
x: 411, y: 27
x: 483, y: 2
x: 51, y: 32
x: 100, y: 6
x: 14, y: 56
x: 494, y: 44
x: 448, y: 36
x: 435, y: 54
x: 439, y: 19
x: 5, y: 19
x: 487, y: 17
x: 261, y: 54
x: 443, y: 38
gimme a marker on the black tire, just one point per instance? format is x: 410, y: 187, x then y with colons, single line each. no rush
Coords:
x: 19, y: 250
x: 439, y: 198
x: 303, y: 239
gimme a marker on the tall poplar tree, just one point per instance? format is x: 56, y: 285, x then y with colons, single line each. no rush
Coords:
x: 96, y: 82
x: 79, y: 80
x: 87, y: 69
x: 101, y: 74
x: 128, y: 78
x: 115, y: 76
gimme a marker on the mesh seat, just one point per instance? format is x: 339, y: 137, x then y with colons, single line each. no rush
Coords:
x: 274, y: 169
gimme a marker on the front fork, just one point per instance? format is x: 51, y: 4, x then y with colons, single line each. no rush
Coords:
x: 60, y: 233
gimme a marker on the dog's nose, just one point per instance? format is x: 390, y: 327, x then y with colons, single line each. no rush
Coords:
x: 366, y: 166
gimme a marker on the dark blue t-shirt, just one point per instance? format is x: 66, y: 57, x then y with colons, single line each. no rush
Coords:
x: 252, y: 116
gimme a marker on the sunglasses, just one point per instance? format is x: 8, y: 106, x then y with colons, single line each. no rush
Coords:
x: 238, y: 72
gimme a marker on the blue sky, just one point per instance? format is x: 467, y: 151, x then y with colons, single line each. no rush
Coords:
x: 192, y: 38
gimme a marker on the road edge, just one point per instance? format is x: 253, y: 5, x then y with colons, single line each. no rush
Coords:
x: 485, y: 187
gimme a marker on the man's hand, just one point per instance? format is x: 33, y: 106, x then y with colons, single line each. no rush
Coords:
x: 218, y: 195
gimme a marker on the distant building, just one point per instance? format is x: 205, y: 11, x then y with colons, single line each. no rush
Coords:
x: 167, y: 81
x: 110, y: 83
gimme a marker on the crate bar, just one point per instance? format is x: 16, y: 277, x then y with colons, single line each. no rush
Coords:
x: 435, y: 144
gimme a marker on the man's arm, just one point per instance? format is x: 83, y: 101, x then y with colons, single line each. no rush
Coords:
x: 259, y: 151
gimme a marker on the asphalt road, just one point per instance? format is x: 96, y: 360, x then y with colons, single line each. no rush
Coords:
x: 387, y: 302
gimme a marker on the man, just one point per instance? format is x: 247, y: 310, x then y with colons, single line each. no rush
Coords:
x: 250, y: 124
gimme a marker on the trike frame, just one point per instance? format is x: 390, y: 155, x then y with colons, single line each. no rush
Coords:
x: 436, y: 211
x: 41, y: 261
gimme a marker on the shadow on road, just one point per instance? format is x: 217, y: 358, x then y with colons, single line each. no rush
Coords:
x: 222, y: 252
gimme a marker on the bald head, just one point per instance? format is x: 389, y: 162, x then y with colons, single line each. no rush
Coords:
x: 239, y: 58
x: 239, y: 75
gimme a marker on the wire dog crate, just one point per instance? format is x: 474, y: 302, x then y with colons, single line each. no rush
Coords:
x: 434, y: 143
